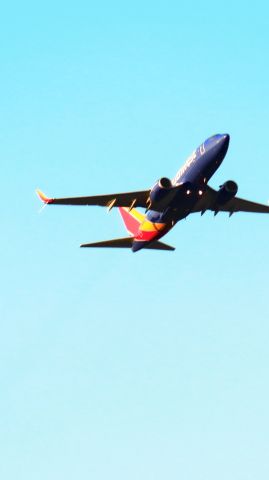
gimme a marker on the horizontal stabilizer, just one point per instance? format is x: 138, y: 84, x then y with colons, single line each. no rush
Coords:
x: 127, y: 242
x: 115, y: 243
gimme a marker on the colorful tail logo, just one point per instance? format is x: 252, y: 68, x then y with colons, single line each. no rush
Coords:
x: 132, y: 220
x: 135, y: 222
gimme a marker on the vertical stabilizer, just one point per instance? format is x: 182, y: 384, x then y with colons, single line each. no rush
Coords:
x: 132, y: 220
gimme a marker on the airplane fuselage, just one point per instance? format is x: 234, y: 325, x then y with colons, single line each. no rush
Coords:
x: 194, y: 175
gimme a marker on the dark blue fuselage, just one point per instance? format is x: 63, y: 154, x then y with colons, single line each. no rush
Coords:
x: 194, y: 175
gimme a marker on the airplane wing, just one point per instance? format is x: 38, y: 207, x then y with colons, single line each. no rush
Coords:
x: 129, y: 199
x: 236, y: 204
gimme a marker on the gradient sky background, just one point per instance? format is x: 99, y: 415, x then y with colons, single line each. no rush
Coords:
x: 117, y: 365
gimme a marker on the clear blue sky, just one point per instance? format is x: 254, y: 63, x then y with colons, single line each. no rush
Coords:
x: 117, y: 365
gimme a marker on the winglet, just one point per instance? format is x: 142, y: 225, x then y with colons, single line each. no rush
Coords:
x: 43, y: 197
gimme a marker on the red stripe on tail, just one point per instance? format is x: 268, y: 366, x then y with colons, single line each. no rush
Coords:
x: 132, y: 219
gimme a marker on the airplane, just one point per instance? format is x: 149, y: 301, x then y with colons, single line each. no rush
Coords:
x: 170, y: 201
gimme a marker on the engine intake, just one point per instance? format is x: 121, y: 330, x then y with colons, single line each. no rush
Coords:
x: 165, y: 182
x: 227, y: 191
x: 161, y: 193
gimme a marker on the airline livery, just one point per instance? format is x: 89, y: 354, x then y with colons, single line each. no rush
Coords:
x: 170, y: 201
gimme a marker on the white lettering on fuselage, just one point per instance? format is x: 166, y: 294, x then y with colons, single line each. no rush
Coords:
x: 185, y: 167
x: 202, y: 149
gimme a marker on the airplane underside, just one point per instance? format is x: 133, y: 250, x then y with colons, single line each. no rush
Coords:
x: 170, y: 201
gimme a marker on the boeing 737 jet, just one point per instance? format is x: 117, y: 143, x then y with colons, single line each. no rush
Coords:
x: 170, y: 201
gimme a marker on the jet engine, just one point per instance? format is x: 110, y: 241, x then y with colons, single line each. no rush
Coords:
x: 227, y: 191
x: 164, y: 192
x: 161, y: 192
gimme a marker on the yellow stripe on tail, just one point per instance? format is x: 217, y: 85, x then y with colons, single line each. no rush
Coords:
x: 132, y: 219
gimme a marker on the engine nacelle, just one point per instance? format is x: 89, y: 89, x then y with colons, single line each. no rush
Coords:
x: 226, y: 192
x: 161, y: 193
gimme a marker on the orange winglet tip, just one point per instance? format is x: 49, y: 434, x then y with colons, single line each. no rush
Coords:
x: 43, y: 197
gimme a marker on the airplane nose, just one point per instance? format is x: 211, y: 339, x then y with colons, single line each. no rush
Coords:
x: 226, y: 138
x: 224, y: 143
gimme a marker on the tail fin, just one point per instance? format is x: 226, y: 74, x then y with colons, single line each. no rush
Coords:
x: 132, y: 219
